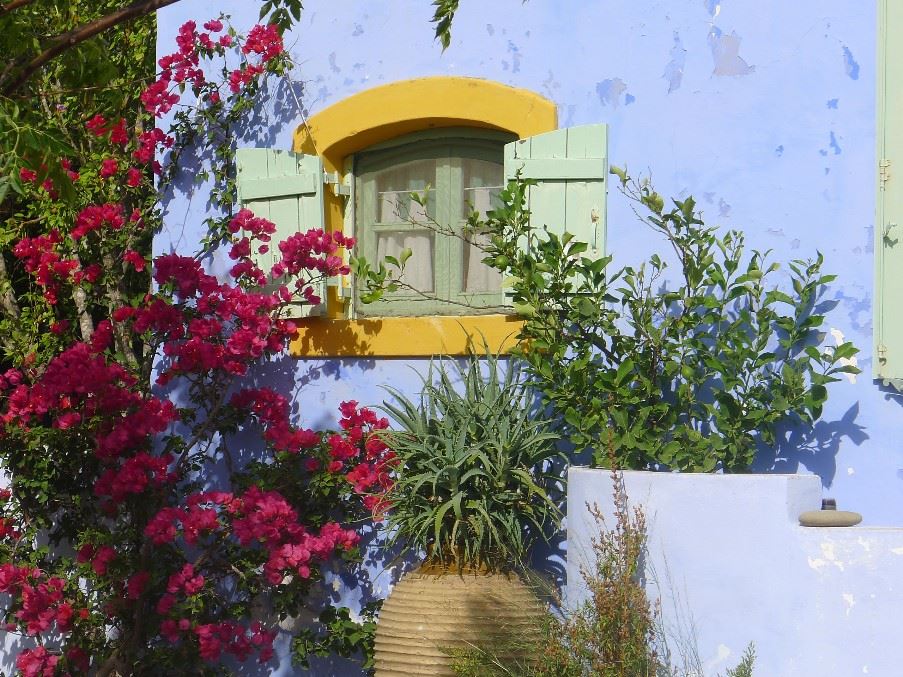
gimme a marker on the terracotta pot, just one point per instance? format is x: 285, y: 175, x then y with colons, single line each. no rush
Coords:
x: 430, y: 610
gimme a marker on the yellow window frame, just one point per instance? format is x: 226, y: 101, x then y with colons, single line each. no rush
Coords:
x: 380, y: 114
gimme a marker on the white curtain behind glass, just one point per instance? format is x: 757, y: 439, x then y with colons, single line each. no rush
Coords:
x: 394, y: 187
x: 482, y: 182
x: 418, y: 271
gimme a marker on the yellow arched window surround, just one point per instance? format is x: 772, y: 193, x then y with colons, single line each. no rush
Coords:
x: 384, y: 113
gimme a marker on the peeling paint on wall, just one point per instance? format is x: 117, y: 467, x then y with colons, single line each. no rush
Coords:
x: 514, y: 51
x: 828, y: 557
x: 674, y: 69
x: 849, y: 601
x: 726, y: 54
x: 610, y: 91
x: 779, y: 151
x: 849, y: 63
x: 832, y: 103
x: 834, y: 145
x: 723, y: 652
x: 713, y: 7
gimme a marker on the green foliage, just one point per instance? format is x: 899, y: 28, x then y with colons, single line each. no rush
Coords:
x: 688, y: 374
x: 442, y: 18
x: 341, y: 636
x: 473, y: 483
x: 283, y: 13
x: 43, y: 118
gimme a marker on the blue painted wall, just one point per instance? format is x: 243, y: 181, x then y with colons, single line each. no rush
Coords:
x: 764, y: 111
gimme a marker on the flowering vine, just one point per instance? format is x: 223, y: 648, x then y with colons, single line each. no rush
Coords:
x: 157, y: 560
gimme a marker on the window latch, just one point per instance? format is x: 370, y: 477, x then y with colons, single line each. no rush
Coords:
x: 338, y: 188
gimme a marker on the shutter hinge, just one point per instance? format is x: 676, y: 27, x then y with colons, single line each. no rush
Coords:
x: 338, y: 187
x: 883, y: 171
x: 882, y: 352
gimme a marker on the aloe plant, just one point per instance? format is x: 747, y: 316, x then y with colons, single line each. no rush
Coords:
x: 474, y: 483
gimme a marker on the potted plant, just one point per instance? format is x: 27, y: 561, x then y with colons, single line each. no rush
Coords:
x: 473, y: 490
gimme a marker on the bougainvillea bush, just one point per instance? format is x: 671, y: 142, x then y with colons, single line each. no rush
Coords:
x: 138, y: 536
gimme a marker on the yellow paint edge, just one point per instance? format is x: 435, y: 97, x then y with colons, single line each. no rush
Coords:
x: 405, y: 336
x: 387, y: 112
x: 392, y: 110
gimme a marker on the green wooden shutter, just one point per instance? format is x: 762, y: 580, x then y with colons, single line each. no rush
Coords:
x: 287, y: 189
x: 570, y: 167
x: 888, y: 320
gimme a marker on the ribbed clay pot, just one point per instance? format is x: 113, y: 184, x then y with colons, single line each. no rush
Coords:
x: 431, y: 609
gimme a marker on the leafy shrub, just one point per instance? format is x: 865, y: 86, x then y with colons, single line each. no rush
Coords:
x: 472, y: 484
x: 688, y: 374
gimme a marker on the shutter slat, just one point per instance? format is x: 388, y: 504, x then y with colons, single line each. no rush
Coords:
x: 563, y: 169
x: 285, y: 186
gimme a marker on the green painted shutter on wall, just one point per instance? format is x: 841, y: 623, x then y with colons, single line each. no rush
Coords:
x: 286, y: 188
x: 888, y: 318
x: 570, y: 167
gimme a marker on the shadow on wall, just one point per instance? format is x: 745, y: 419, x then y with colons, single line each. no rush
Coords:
x: 261, y: 129
x: 337, y: 337
x: 815, y: 448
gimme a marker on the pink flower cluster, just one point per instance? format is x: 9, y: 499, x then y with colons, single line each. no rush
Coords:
x: 37, y: 662
x: 215, y: 639
x: 40, y: 601
x: 216, y: 327
x: 100, y: 558
x: 368, y: 460
x: 183, y: 67
x: 40, y: 258
x: 81, y: 387
x: 255, y: 518
x: 96, y: 217
x: 314, y: 251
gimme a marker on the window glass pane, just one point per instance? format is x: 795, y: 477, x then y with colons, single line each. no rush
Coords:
x: 419, y: 268
x: 482, y: 181
x: 463, y: 170
x: 394, y: 187
x: 478, y: 277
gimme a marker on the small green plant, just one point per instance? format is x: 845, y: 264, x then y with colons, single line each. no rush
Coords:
x: 689, y: 371
x: 745, y: 666
x: 612, y: 634
x: 616, y: 632
x: 474, y: 484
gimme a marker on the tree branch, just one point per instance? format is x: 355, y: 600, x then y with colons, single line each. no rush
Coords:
x: 15, y: 4
x: 70, y: 39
